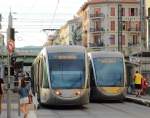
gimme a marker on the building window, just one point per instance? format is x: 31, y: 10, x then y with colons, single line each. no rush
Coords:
x: 122, y: 11
x: 112, y: 39
x: 133, y: 11
x: 112, y: 12
x: 138, y: 26
x: 98, y: 41
x: 112, y: 26
x: 123, y: 40
x: 97, y: 11
x: 128, y: 25
x: 135, y: 40
x: 72, y: 28
x: 97, y: 25
x: 124, y: 25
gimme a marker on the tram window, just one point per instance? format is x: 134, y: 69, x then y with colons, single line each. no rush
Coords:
x: 88, y: 83
x: 45, y: 77
x: 92, y: 82
x: 40, y: 72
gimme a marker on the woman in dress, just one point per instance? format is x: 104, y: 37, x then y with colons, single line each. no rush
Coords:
x: 24, y: 93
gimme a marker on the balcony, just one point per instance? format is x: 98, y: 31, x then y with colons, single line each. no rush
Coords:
x: 101, y: 44
x: 132, y: 48
x: 134, y: 29
x: 97, y: 30
x: 95, y: 16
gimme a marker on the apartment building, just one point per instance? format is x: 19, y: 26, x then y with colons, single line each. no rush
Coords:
x: 70, y: 33
x: 147, y: 8
x: 112, y: 24
x: 62, y: 36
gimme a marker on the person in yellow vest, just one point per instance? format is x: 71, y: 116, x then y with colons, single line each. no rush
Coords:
x: 138, y: 83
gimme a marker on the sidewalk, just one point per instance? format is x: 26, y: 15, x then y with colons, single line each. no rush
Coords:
x: 145, y: 100
x: 14, y: 113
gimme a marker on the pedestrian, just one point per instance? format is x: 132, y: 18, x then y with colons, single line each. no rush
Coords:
x: 138, y: 83
x: 28, y: 80
x: 1, y: 93
x: 24, y: 88
x: 27, y: 76
x: 144, y: 86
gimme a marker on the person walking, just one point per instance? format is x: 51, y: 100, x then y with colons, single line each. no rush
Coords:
x: 138, y: 83
x: 144, y: 86
x: 24, y: 88
x: 1, y: 93
x: 28, y: 80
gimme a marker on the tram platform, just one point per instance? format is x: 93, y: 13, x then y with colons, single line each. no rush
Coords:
x: 144, y: 99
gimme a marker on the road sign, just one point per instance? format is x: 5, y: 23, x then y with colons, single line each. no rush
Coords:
x: 10, y: 46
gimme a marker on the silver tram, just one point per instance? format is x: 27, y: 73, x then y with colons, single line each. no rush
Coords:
x: 60, y: 76
x: 108, y: 76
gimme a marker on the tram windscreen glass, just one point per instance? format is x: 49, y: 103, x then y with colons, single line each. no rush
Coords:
x: 67, y: 70
x: 109, y: 71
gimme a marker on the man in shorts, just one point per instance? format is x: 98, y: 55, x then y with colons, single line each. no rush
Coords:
x: 138, y: 83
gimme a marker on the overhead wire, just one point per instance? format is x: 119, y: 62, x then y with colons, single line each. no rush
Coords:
x: 36, y: 19
x: 53, y: 17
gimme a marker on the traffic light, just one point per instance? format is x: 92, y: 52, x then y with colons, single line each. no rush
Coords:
x: 12, y: 34
x: 12, y: 60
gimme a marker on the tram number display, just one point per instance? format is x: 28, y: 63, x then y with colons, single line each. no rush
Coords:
x: 65, y: 57
x: 107, y: 60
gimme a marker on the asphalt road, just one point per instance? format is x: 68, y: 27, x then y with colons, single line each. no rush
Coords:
x: 97, y: 110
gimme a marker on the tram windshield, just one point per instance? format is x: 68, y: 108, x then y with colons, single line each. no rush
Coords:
x: 109, y: 71
x: 67, y: 70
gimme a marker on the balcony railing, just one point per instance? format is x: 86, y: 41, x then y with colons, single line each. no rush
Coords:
x: 132, y: 48
x: 134, y: 29
x: 97, y: 29
x: 101, y: 44
x: 100, y: 15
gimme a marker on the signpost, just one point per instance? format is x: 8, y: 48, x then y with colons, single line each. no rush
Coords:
x: 10, y: 49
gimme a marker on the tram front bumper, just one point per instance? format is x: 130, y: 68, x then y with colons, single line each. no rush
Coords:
x: 75, y: 100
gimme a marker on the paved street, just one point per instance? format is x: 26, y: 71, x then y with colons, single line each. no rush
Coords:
x: 93, y: 110
x: 97, y: 110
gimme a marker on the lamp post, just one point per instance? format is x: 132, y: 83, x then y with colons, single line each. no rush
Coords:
x: 10, y: 49
x: 148, y: 39
x: 119, y: 27
x: 8, y: 79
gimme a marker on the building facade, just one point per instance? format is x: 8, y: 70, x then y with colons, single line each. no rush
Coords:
x: 147, y: 8
x: 113, y: 24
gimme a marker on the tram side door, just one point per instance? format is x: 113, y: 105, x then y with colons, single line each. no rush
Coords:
x: 45, y: 82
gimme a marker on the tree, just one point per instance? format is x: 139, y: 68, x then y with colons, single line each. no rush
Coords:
x: 76, y: 34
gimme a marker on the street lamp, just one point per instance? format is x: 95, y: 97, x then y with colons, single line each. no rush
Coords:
x: 119, y: 27
x: 148, y: 35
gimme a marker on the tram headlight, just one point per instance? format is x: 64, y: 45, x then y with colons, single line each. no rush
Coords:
x: 58, y: 93
x: 77, y: 93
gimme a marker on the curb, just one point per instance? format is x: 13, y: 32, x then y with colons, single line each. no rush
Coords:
x: 142, y: 101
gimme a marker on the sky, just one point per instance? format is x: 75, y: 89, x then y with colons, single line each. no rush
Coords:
x: 30, y: 17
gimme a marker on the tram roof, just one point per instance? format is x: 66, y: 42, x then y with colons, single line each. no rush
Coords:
x: 65, y: 48
x: 105, y: 54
